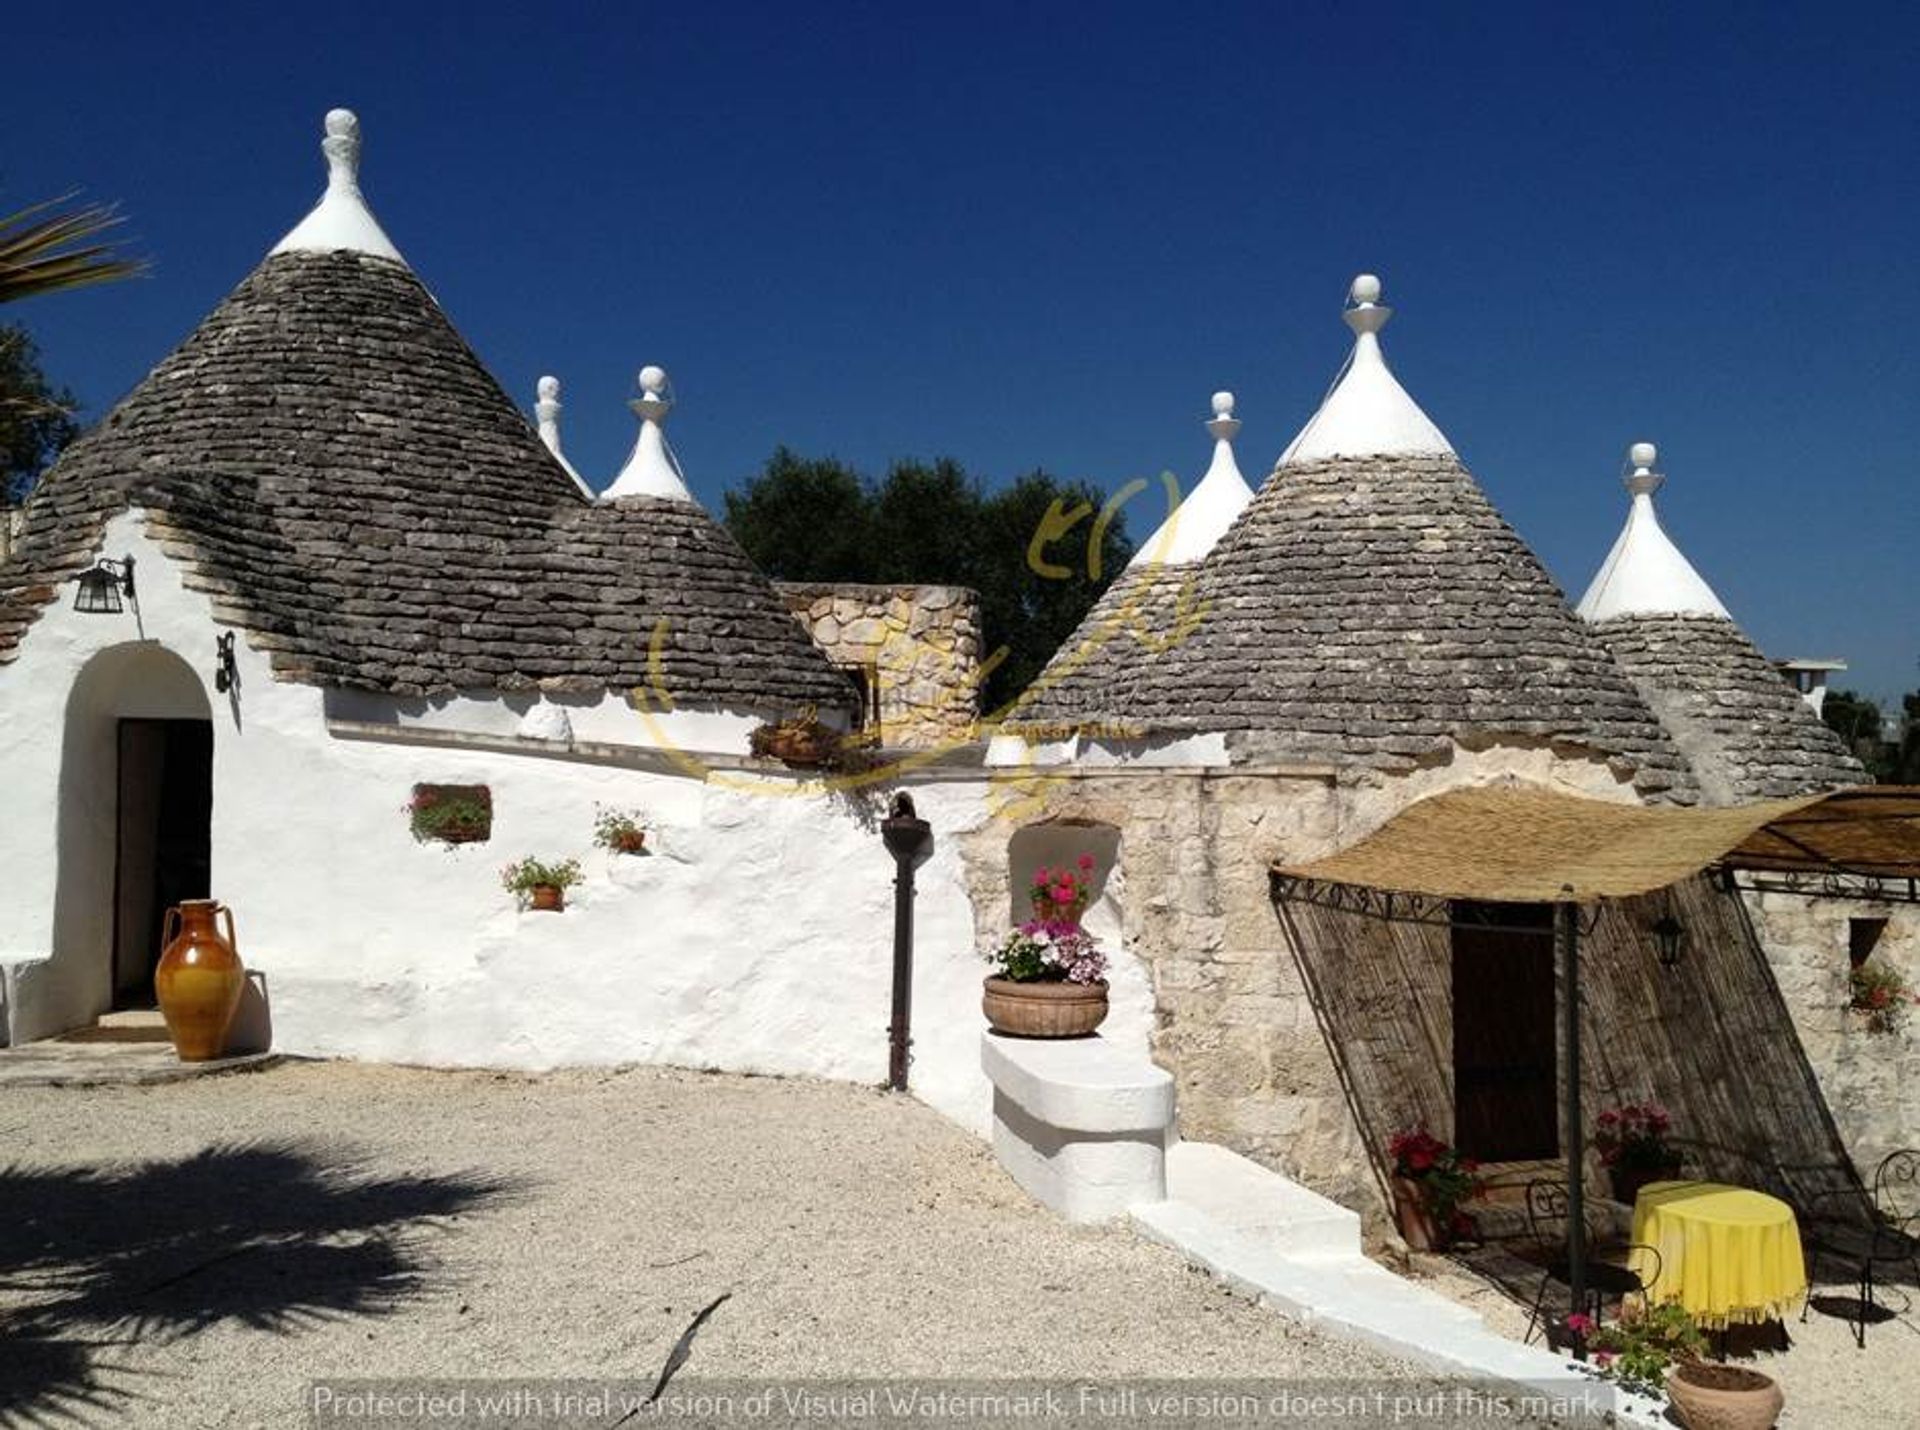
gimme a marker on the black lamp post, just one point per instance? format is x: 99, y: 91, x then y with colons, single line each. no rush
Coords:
x: 101, y: 585
x: 907, y: 837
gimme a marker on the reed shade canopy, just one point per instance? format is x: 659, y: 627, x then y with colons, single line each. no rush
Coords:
x: 1529, y: 846
x: 1536, y: 846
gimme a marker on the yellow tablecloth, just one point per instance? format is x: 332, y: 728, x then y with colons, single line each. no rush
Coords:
x: 1729, y: 1255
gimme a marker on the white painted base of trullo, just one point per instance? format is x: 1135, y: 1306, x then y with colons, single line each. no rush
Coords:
x: 1082, y: 1126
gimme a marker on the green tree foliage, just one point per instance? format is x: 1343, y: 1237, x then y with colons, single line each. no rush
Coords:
x: 1859, y: 721
x: 1903, y: 760
x: 36, y: 421
x: 1027, y: 547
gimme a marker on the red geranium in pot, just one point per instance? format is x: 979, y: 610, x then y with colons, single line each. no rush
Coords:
x: 1431, y: 1181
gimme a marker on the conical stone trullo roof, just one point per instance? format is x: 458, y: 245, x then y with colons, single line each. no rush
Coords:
x: 1746, y: 733
x: 336, y: 468
x: 1151, y: 595
x: 1371, y: 605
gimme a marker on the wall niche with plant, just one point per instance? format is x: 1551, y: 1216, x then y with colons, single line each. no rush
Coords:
x: 451, y: 814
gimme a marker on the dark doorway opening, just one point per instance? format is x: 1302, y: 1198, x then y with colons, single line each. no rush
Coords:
x: 163, y: 844
x: 1506, y: 1105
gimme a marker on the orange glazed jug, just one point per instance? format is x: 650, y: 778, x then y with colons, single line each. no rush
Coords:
x: 199, y: 979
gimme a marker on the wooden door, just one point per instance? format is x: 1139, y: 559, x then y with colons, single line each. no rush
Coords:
x: 164, y: 842
x: 1506, y: 1104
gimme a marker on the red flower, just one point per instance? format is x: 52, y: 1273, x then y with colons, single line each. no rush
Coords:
x: 1086, y: 863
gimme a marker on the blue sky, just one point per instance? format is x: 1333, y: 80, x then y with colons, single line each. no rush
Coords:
x: 1040, y: 236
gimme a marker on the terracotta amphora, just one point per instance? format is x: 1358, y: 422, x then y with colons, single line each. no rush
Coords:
x: 199, y: 979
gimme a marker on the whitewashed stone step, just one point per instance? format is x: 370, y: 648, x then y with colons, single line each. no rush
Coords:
x: 1349, y: 1296
x: 1252, y: 1201
x: 1081, y: 1126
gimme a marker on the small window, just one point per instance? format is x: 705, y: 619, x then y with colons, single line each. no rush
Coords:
x: 1862, y: 936
x: 864, y: 677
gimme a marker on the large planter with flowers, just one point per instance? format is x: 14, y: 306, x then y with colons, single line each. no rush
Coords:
x: 1431, y: 1180
x: 1048, y: 979
x: 1633, y: 1146
x: 1039, y: 1009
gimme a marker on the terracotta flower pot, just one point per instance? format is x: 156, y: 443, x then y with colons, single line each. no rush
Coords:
x: 1044, y: 1010
x: 1627, y: 1181
x: 199, y: 979
x: 547, y: 896
x: 803, y: 749
x: 1414, y: 1221
x: 630, y: 841
x: 1710, y: 1395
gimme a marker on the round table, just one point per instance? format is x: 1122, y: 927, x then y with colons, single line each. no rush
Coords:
x: 1729, y: 1255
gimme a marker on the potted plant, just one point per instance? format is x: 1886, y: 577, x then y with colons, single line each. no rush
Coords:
x: 450, y: 814
x: 1880, y: 996
x: 1061, y: 894
x: 1640, y: 1348
x: 800, y: 741
x: 541, y: 886
x: 1431, y: 1180
x: 1633, y: 1146
x: 619, y: 830
x: 1047, y: 982
x: 1712, y: 1395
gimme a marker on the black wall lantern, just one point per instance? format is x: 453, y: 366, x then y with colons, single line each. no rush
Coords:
x: 225, y: 674
x: 1670, y: 938
x: 101, y: 586
x: 907, y: 838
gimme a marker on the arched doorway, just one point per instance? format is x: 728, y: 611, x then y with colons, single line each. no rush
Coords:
x: 136, y: 815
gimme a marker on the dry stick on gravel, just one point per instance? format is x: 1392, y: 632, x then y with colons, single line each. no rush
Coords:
x: 680, y: 1354
x: 678, y: 1260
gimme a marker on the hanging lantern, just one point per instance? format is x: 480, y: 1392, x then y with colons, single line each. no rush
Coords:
x: 1670, y: 938
x: 101, y: 586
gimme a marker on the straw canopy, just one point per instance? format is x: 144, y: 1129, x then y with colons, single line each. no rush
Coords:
x: 1534, y: 846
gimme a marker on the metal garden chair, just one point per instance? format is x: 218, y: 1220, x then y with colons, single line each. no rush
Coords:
x: 1547, y: 1217
x: 1864, y: 1230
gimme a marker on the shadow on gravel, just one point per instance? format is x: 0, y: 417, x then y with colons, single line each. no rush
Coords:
x: 98, y: 1265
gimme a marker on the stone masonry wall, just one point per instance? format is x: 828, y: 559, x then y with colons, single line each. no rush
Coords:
x: 922, y: 644
x: 1869, y: 1078
x: 1233, y: 1019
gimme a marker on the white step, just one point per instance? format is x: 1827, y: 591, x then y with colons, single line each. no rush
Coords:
x: 1255, y: 1202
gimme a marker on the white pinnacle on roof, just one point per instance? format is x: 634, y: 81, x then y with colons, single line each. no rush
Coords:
x: 1367, y: 412
x: 1193, y: 528
x: 1645, y: 574
x: 341, y: 219
x: 651, y: 471
x: 546, y: 413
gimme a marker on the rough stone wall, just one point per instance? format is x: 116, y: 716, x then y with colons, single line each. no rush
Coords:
x: 1234, y: 1022
x: 921, y: 642
x: 1232, y: 1019
x: 1868, y: 1078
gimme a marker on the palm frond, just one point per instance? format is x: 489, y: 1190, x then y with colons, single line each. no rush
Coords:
x: 48, y: 247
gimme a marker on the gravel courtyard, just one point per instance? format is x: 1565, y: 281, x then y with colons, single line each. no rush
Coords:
x: 197, y: 1253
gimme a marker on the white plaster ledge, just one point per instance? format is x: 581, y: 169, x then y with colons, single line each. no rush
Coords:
x: 1080, y: 1125
x: 1079, y: 1084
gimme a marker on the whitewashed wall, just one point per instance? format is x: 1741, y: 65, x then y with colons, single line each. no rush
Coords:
x: 756, y: 938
